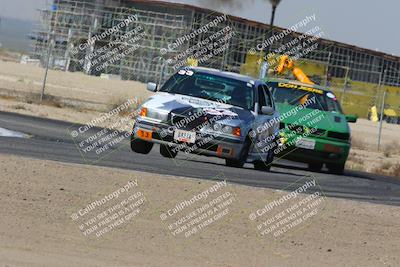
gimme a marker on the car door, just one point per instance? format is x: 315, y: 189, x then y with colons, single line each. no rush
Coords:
x: 264, y: 126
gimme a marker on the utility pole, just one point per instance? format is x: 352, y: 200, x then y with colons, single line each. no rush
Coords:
x: 274, y: 4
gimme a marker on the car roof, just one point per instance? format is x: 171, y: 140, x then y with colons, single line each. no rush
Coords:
x: 225, y: 74
x: 273, y: 79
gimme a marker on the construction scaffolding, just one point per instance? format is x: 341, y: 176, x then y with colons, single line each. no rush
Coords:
x: 71, y: 25
x: 67, y: 25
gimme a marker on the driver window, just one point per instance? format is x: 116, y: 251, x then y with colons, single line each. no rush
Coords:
x: 267, y: 96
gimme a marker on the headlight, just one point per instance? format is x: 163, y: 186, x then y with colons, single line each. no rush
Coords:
x: 236, y: 131
x: 217, y: 127
x: 226, y: 129
x: 143, y: 112
x: 282, y: 138
x: 153, y: 114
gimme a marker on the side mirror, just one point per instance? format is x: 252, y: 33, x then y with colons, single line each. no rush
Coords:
x: 351, y: 118
x: 267, y: 110
x: 152, y: 87
x: 264, y: 70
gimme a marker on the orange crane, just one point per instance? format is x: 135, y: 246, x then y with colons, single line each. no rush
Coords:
x: 286, y: 63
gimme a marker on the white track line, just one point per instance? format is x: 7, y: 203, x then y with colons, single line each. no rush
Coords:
x: 9, y: 133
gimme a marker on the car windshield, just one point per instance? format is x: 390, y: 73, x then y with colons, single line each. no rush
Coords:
x: 297, y: 95
x: 211, y: 87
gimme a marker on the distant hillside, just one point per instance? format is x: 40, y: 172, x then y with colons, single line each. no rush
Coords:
x: 14, y: 34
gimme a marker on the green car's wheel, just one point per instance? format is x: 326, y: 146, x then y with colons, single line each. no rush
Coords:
x: 336, y: 168
x: 315, y: 167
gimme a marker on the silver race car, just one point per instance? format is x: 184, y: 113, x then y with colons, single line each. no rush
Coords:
x: 209, y: 112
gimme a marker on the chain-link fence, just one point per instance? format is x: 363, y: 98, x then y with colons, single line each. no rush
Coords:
x: 358, y: 76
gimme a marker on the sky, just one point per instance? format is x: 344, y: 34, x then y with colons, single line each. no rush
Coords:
x: 369, y: 24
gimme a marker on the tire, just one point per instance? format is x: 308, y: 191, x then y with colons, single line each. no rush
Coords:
x: 265, y: 165
x: 315, y: 167
x: 166, y: 152
x: 261, y: 166
x: 238, y: 163
x: 336, y: 168
x: 140, y: 146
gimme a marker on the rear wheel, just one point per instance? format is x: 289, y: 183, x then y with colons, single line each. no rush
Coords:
x: 167, y: 152
x: 336, y: 168
x: 140, y: 146
x: 234, y: 163
x: 261, y: 165
x: 238, y: 163
x: 315, y: 167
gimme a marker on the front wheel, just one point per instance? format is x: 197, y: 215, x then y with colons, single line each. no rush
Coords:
x: 167, y: 152
x: 315, y: 167
x: 261, y: 166
x: 336, y: 168
x: 234, y: 163
x: 265, y: 165
x: 140, y: 146
x: 238, y: 163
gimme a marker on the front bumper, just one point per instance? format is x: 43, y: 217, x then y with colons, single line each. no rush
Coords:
x: 325, y: 151
x: 222, y: 146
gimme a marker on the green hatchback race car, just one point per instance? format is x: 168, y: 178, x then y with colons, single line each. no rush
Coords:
x: 313, y: 128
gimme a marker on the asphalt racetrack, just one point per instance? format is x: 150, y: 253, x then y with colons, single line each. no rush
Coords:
x: 51, y: 139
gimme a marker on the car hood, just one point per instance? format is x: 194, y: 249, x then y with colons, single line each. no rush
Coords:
x: 166, y: 103
x: 329, y: 121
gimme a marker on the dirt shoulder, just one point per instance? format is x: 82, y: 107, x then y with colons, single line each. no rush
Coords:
x: 364, y: 154
x: 39, y: 199
x: 24, y: 78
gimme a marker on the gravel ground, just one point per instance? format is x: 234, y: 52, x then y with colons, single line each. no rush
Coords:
x: 39, y: 199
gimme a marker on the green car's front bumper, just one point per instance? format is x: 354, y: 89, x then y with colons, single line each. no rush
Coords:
x: 321, y: 150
